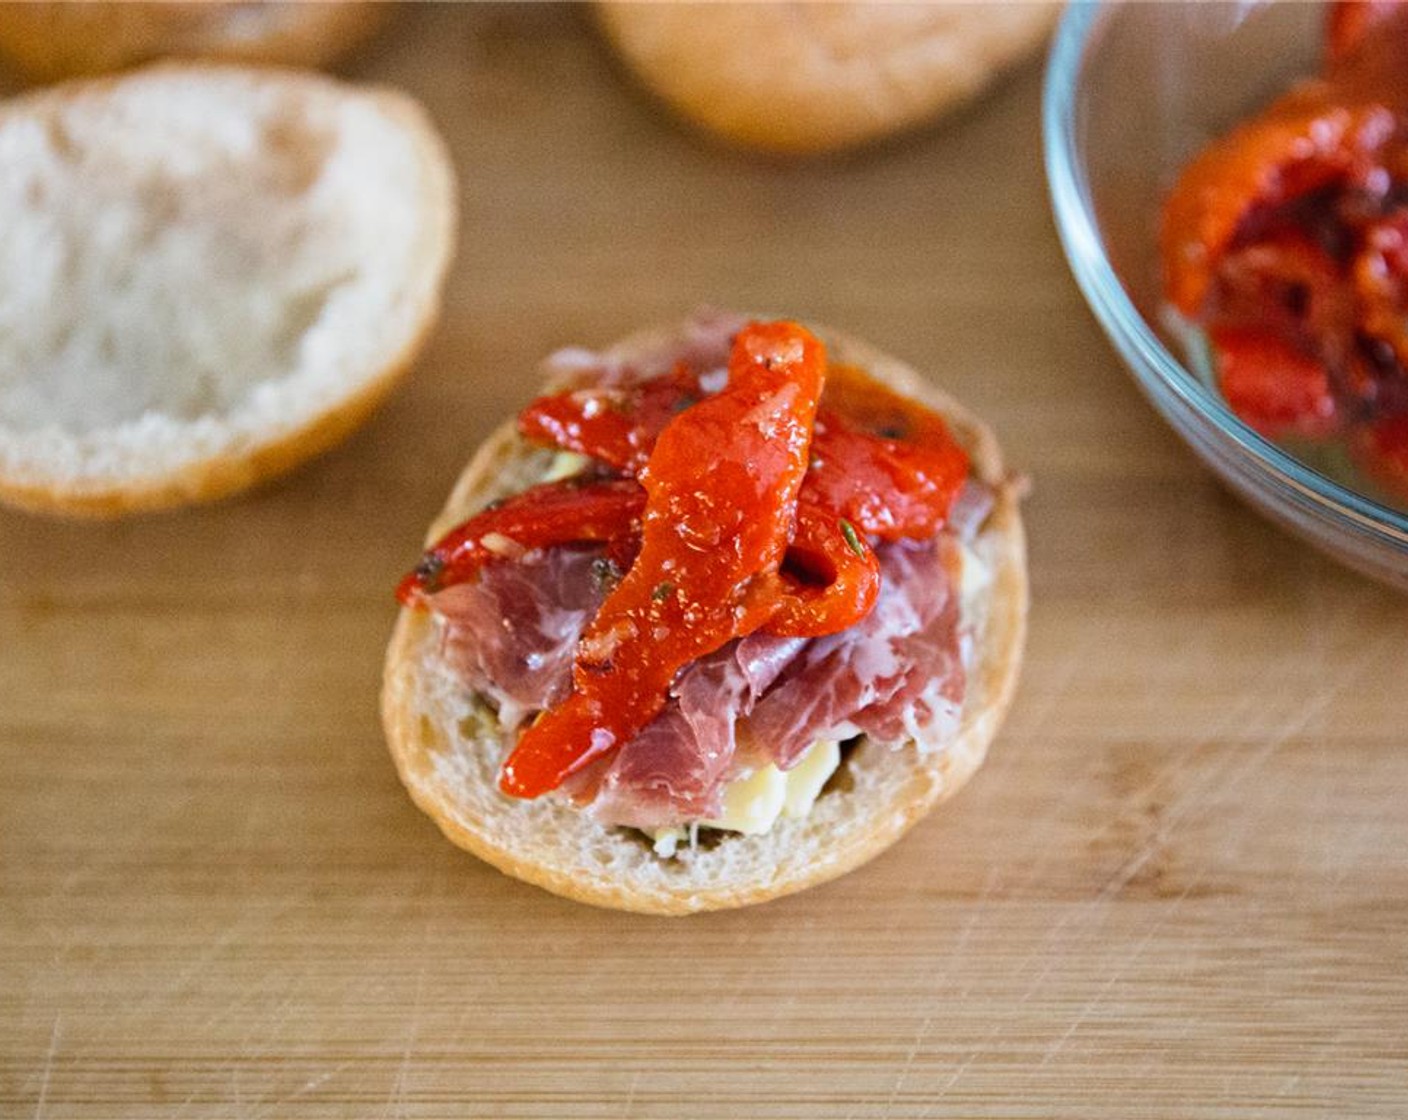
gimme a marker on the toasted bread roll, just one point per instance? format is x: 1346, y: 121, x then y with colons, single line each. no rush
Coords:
x: 48, y: 40
x: 209, y: 274
x: 448, y: 756
x: 802, y: 77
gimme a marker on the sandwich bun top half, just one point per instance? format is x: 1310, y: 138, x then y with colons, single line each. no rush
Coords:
x: 213, y: 273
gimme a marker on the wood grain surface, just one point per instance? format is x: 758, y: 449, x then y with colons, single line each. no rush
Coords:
x: 1178, y: 889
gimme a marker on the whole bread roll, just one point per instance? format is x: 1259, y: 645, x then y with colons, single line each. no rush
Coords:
x: 49, y: 40
x: 801, y: 78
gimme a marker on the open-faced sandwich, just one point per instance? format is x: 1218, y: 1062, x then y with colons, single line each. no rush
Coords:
x: 720, y: 617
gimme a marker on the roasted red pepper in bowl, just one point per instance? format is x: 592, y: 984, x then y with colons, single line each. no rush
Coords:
x: 1286, y: 241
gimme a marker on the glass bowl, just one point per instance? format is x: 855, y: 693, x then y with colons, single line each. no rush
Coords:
x: 1133, y: 91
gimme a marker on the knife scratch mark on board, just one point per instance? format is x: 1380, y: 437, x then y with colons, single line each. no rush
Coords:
x: 1120, y: 879
x: 957, y: 1075
x: 1309, y: 1065
x: 909, y: 1057
x: 267, y: 1030
x: 252, y: 919
x: 956, y: 955
x: 630, y: 1096
x: 317, y: 1081
x: 119, y: 847
x: 1292, y: 725
x: 55, y: 1032
x: 397, y: 1099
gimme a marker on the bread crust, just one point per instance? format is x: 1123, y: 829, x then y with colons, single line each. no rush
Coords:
x: 274, y: 453
x: 451, y: 774
x: 49, y: 41
x: 220, y: 476
x: 803, y: 78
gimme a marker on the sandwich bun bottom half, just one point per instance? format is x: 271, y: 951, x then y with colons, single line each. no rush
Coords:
x: 450, y: 763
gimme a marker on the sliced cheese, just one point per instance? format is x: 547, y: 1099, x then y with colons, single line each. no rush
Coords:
x: 974, y: 578
x: 753, y: 802
x: 806, y: 780
x: 565, y: 464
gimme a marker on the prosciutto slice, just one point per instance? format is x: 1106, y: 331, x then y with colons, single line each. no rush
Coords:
x: 676, y: 768
x: 970, y: 509
x: 895, y: 676
x: 703, y: 343
x: 511, y: 634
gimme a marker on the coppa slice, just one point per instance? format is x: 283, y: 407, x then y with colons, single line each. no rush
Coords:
x: 721, y: 486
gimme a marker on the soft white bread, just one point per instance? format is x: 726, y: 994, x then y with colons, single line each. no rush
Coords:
x: 448, y: 752
x: 51, y: 39
x: 208, y: 274
x: 809, y: 77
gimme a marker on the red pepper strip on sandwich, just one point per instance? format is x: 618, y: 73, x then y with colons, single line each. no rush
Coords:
x: 721, y: 484
x: 881, y: 462
x: 551, y: 513
x: 829, y: 581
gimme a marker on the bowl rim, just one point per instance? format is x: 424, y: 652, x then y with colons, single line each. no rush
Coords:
x: 1154, y: 365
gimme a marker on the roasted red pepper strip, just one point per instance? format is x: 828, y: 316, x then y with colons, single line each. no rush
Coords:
x: 1331, y: 131
x: 829, y: 582
x: 721, y: 486
x: 885, y: 488
x: 1288, y: 284
x: 885, y: 464
x: 843, y: 577
x: 837, y: 578
x: 873, y: 407
x: 1381, y: 281
x: 1271, y: 385
x: 552, y: 513
x: 1382, y: 449
x: 1305, y: 141
x: 617, y: 424
x: 1348, y: 24
x: 1366, y: 51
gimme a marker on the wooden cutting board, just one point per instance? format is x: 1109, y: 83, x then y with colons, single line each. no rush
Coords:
x: 1178, y: 889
